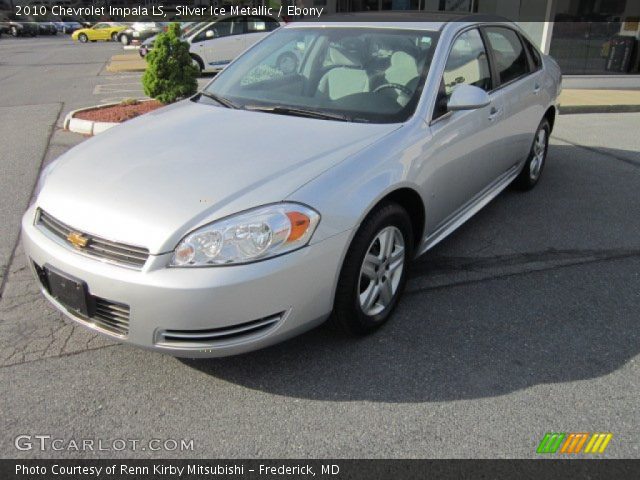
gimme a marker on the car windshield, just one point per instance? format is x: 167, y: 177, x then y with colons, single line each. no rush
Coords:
x: 354, y: 74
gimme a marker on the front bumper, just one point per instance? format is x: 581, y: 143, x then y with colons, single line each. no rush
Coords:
x: 297, y: 287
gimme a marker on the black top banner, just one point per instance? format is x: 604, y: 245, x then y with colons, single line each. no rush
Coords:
x: 92, y: 11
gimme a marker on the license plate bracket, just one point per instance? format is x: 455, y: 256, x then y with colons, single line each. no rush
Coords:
x: 71, y: 292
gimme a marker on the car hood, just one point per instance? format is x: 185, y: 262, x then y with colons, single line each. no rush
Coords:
x: 153, y: 179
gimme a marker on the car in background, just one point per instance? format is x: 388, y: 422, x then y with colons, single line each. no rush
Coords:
x: 107, y: 31
x: 17, y: 27
x: 68, y: 26
x: 140, y: 31
x: 47, y: 28
x: 181, y: 233
x: 215, y: 45
x: 186, y: 28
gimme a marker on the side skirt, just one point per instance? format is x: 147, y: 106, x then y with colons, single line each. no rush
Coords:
x: 469, y: 209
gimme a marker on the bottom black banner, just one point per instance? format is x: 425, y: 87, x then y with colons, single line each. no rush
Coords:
x: 320, y: 469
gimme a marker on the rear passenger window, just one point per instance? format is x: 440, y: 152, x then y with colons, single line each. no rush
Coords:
x: 508, y: 51
x: 535, y: 55
x: 467, y: 63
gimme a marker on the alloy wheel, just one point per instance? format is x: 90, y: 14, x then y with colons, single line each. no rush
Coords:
x: 539, y: 153
x: 381, y: 271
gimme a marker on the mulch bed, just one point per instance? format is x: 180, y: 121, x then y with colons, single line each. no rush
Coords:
x: 119, y: 113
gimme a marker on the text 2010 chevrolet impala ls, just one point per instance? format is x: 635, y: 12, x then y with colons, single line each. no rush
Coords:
x: 286, y: 193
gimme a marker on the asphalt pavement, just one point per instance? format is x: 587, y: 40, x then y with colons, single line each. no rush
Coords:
x: 525, y: 321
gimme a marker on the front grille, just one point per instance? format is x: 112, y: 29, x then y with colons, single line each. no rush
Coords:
x: 210, y: 337
x: 114, y: 252
x: 113, y: 317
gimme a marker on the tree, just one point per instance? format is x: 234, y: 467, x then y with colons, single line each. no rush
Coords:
x: 170, y: 73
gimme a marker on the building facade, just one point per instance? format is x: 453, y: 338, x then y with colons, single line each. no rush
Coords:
x: 586, y: 37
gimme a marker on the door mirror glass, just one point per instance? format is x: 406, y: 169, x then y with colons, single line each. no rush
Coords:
x: 210, y: 34
x: 468, y: 97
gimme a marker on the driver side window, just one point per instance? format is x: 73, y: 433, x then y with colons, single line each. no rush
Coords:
x: 468, y: 64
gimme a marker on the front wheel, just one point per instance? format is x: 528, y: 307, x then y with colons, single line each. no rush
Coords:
x: 83, y: 38
x: 124, y: 39
x: 14, y: 31
x: 196, y: 62
x: 532, y: 170
x: 374, y: 272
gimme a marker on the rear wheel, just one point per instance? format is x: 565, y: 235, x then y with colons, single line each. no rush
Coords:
x: 374, y: 272
x: 14, y: 31
x: 82, y: 38
x: 114, y: 37
x: 532, y: 170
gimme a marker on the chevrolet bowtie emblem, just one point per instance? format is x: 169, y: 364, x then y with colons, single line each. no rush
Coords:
x: 77, y: 240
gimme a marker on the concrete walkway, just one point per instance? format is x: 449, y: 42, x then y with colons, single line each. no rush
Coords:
x: 128, y: 62
x: 600, y: 101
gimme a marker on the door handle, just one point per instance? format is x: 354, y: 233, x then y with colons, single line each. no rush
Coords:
x: 495, y: 113
x: 536, y: 89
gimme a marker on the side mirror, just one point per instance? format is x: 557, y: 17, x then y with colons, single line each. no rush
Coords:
x: 468, y: 97
x: 210, y: 34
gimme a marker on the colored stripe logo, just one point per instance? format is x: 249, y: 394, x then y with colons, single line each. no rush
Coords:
x: 573, y: 443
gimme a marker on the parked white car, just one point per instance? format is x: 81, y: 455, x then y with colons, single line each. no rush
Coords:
x: 217, y: 43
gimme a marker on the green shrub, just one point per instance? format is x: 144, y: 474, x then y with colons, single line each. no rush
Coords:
x: 170, y: 73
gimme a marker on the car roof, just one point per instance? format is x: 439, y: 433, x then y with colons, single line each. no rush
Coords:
x: 409, y: 20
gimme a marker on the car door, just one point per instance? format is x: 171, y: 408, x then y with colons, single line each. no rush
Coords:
x: 227, y: 42
x: 101, y: 31
x: 521, y: 85
x: 465, y: 157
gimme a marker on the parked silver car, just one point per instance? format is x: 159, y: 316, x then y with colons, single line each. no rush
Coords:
x: 274, y: 199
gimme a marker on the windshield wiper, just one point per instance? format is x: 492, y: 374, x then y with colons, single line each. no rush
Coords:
x: 225, y: 102
x: 299, y: 112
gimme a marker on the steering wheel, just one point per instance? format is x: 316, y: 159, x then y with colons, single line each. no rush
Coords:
x: 397, y: 86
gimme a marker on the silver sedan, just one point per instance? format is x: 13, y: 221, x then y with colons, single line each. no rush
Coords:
x: 289, y: 192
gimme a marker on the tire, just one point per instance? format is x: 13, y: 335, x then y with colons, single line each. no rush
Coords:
x: 358, y: 308
x: 114, y: 37
x: 124, y: 39
x: 14, y: 32
x: 82, y: 38
x: 534, y: 166
x: 197, y: 62
x: 287, y: 63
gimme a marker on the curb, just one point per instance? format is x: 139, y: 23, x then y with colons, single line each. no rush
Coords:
x: 87, y: 127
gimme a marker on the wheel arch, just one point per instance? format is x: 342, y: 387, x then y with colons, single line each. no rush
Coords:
x: 198, y: 59
x: 550, y: 115
x: 409, y: 199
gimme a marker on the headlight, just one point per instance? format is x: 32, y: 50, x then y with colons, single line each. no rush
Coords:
x: 253, y: 235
